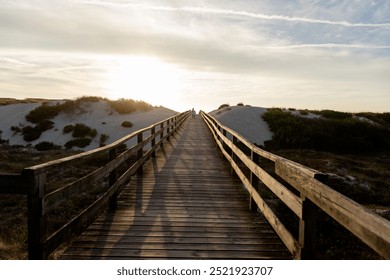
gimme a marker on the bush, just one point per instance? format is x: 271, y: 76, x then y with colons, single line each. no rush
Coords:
x: 93, y: 133
x: 82, y: 130
x: 68, y: 129
x: 30, y: 133
x: 223, y: 106
x: 44, y: 125
x: 68, y: 107
x: 304, y: 112
x: 46, y: 112
x: 127, y: 106
x: 330, y: 114
x: 46, y: 146
x: 43, y: 112
x: 240, y: 104
x: 78, y: 142
x: 379, y: 118
x: 103, y: 139
x: 338, y: 134
x: 127, y: 124
x: 91, y: 99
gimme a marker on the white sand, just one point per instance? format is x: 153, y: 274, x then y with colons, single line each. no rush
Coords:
x: 245, y: 120
x: 97, y: 115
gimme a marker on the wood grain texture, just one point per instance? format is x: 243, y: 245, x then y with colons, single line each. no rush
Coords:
x: 185, y: 205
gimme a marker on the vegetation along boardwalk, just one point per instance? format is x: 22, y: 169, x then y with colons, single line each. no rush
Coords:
x: 185, y: 205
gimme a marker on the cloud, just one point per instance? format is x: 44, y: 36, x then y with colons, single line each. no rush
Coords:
x: 261, y: 16
x: 59, y: 46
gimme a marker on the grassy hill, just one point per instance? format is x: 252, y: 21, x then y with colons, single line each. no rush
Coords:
x: 353, y: 149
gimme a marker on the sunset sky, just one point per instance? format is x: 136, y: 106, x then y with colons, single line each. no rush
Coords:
x: 331, y: 54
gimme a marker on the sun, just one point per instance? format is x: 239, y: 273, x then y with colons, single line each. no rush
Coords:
x: 143, y: 78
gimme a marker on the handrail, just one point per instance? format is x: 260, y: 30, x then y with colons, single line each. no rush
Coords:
x: 369, y: 227
x: 44, y: 167
x: 41, y: 201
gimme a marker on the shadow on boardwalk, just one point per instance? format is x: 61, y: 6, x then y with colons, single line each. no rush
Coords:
x: 185, y: 205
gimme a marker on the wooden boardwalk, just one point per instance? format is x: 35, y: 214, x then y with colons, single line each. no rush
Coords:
x: 185, y: 205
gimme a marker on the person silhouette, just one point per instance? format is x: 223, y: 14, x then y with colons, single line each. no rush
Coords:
x: 193, y: 113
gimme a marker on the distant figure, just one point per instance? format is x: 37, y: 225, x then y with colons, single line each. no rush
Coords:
x: 193, y: 113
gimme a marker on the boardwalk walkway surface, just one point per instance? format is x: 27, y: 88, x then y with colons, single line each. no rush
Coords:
x: 185, y: 205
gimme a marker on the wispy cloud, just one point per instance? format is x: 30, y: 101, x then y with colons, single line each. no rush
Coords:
x: 261, y: 16
x: 329, y: 46
x: 265, y: 50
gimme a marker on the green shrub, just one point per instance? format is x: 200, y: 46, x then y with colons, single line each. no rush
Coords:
x: 127, y: 124
x: 78, y: 142
x: 330, y: 114
x: 46, y: 111
x: 46, y: 146
x: 91, y: 99
x: 82, y: 130
x: 30, y: 133
x: 68, y: 107
x: 240, y: 104
x: 337, y: 134
x: 223, y: 106
x: 304, y: 112
x: 93, y: 133
x: 68, y: 129
x: 127, y: 106
x: 103, y: 139
x: 379, y: 118
x: 44, y: 125
x: 43, y: 112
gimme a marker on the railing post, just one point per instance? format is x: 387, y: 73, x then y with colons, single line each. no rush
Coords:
x: 254, y: 182
x: 140, y: 152
x: 161, y: 134
x: 174, y: 124
x: 112, y: 154
x: 234, y: 157
x: 308, y: 229
x: 153, y: 131
x: 224, y: 145
x: 36, y: 221
x: 168, y: 128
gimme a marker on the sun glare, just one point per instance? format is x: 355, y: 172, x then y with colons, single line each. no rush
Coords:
x: 144, y: 78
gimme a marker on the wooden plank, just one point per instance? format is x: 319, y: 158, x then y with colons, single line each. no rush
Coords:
x: 118, y: 238
x: 181, y: 202
x: 210, y: 235
x: 83, y: 253
x: 178, y: 246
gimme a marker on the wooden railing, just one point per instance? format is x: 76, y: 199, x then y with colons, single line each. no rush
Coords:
x: 41, y: 201
x: 309, y: 194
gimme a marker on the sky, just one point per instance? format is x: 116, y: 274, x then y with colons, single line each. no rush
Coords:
x: 318, y: 54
